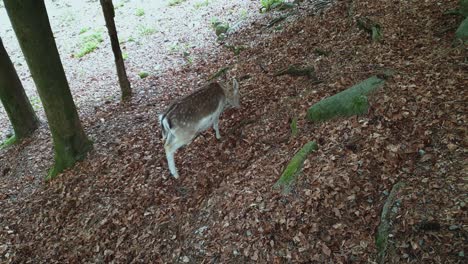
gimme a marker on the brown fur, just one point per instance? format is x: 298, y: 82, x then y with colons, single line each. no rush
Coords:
x: 196, y: 105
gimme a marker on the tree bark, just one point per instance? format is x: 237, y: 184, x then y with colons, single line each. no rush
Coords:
x: 109, y: 14
x: 32, y: 28
x: 14, y: 99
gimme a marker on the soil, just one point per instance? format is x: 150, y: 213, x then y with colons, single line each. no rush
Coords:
x: 121, y: 205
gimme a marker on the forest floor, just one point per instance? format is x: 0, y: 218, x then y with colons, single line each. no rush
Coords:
x: 121, y: 205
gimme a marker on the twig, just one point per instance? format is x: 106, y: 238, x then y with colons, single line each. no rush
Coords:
x: 219, y: 73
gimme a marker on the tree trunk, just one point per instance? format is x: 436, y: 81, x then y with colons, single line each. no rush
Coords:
x: 109, y: 14
x: 32, y: 28
x: 13, y: 97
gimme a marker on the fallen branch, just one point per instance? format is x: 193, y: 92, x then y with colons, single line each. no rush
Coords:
x: 381, y: 238
x: 294, y: 129
x: 219, y: 73
x: 276, y: 20
x: 294, y: 167
x: 352, y: 101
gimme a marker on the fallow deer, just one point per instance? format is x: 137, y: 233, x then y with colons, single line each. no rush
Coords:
x: 192, y: 114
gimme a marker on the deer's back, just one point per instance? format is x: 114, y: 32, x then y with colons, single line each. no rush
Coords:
x: 197, y: 105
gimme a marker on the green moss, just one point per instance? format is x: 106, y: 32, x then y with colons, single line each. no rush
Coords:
x: 146, y: 31
x: 143, y: 74
x: 294, y: 167
x: 67, y: 154
x: 352, y: 101
x: 124, y: 55
x: 10, y: 141
x: 294, y: 129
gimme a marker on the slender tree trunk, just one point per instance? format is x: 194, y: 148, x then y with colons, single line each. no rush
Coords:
x: 32, y: 28
x: 109, y: 14
x: 13, y: 97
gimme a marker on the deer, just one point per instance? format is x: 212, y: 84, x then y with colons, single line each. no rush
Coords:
x: 188, y: 116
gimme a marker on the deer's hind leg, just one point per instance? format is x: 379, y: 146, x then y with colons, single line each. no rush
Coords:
x: 172, y: 144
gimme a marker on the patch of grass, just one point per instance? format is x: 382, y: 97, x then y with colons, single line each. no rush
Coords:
x: 124, y: 55
x: 175, y: 2
x: 35, y: 102
x: 267, y: 5
x: 201, y: 4
x: 119, y: 5
x: 146, y: 31
x: 182, y: 49
x: 143, y: 74
x: 174, y: 47
x: 10, y: 141
x: 89, y: 43
x: 67, y: 17
x: 243, y: 14
x: 214, y: 21
x: 187, y: 57
x: 140, y: 12
x: 220, y: 27
x: 84, y: 30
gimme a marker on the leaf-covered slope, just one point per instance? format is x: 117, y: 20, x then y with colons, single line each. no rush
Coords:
x: 120, y: 205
